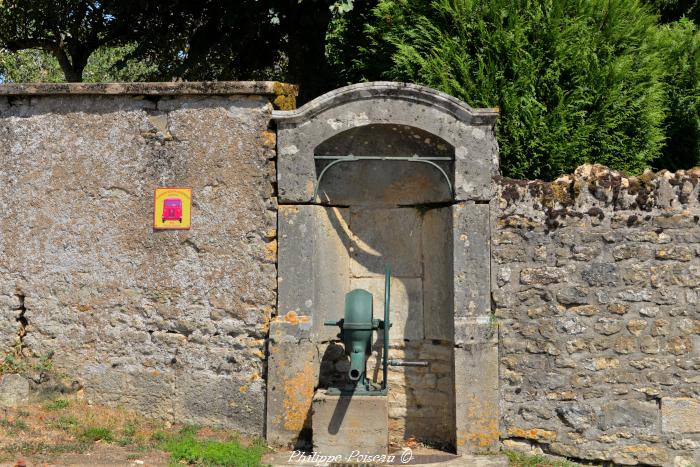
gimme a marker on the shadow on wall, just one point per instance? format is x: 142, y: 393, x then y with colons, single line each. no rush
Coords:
x: 396, y: 213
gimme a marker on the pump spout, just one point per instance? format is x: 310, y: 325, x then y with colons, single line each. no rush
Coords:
x: 357, y: 364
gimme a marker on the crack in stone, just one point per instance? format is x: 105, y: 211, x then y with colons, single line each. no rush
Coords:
x: 23, y: 323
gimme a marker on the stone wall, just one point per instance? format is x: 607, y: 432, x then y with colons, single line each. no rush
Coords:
x: 169, y: 323
x: 596, y: 278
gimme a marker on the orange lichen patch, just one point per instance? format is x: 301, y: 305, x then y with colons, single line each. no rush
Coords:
x: 298, y: 394
x: 243, y: 389
x: 291, y: 317
x: 289, y: 209
x: 83, y: 308
x: 269, y: 139
x: 285, y: 88
x: 537, y: 434
x: 483, y: 425
x: 310, y: 186
x: 254, y: 377
x: 271, y: 251
x: 285, y: 102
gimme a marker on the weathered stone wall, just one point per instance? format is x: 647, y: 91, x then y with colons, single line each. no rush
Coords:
x: 170, y: 323
x: 595, y: 286
x: 595, y: 278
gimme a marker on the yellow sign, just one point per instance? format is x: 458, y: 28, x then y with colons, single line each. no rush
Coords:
x: 172, y: 208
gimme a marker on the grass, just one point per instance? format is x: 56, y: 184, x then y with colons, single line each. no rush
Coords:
x: 45, y: 447
x: 518, y: 459
x: 62, y: 426
x: 66, y: 422
x: 13, y: 425
x: 188, y: 448
x: 95, y: 433
x: 58, y: 404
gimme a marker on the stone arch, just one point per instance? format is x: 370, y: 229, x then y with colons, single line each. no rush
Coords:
x: 350, y: 167
x: 314, y: 245
x: 470, y: 131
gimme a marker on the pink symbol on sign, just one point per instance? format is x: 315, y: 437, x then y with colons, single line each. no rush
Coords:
x: 172, y: 209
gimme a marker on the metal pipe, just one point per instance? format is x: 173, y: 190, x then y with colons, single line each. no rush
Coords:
x: 387, y: 325
x: 407, y: 363
x: 351, y: 158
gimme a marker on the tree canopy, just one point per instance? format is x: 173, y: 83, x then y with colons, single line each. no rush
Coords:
x: 608, y: 81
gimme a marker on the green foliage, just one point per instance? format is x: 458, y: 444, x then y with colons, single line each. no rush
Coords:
x: 29, y: 66
x: 348, y: 46
x: 681, y: 45
x: 58, y: 404
x: 66, y: 422
x: 185, y: 447
x: 70, y: 30
x: 575, y: 82
x: 92, y: 434
x: 106, y: 64
x: 673, y: 10
x: 12, y: 364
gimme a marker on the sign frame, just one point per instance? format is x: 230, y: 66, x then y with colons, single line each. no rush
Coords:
x: 182, y: 193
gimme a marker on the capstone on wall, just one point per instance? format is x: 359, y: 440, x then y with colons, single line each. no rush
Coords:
x: 596, y: 284
x: 169, y: 323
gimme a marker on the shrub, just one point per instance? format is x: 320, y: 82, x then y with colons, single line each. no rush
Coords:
x: 576, y: 82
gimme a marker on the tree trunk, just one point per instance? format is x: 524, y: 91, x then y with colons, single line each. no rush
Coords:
x: 73, y: 74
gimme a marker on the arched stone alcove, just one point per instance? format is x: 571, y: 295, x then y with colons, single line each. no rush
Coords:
x: 375, y: 174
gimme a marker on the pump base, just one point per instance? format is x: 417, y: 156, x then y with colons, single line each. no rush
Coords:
x: 343, y: 424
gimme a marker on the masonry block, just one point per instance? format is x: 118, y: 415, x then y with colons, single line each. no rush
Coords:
x: 343, y: 424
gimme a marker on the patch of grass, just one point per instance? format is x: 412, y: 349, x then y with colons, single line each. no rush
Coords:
x: 58, y: 404
x: 125, y: 441
x: 12, y: 364
x: 13, y: 425
x: 23, y: 413
x: 95, y: 433
x: 44, y: 363
x: 20, y: 425
x: 39, y: 447
x: 66, y: 422
x: 185, y: 447
x: 129, y: 429
x: 159, y: 436
x: 518, y: 459
x: 189, y: 430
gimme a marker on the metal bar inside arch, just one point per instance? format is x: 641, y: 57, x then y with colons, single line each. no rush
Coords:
x: 351, y: 158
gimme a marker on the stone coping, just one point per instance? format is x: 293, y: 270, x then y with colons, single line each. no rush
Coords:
x: 265, y: 88
x: 378, y: 90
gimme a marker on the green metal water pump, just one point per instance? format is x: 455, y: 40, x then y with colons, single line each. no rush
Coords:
x: 356, y: 332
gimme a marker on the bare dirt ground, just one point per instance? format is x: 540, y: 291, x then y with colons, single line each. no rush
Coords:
x: 76, y: 433
x: 97, y: 455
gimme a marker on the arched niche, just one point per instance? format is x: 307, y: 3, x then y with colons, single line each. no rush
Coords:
x: 469, y: 131
x: 384, y: 165
x: 422, y: 205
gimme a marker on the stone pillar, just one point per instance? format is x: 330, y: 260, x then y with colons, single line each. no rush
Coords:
x: 476, y: 333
